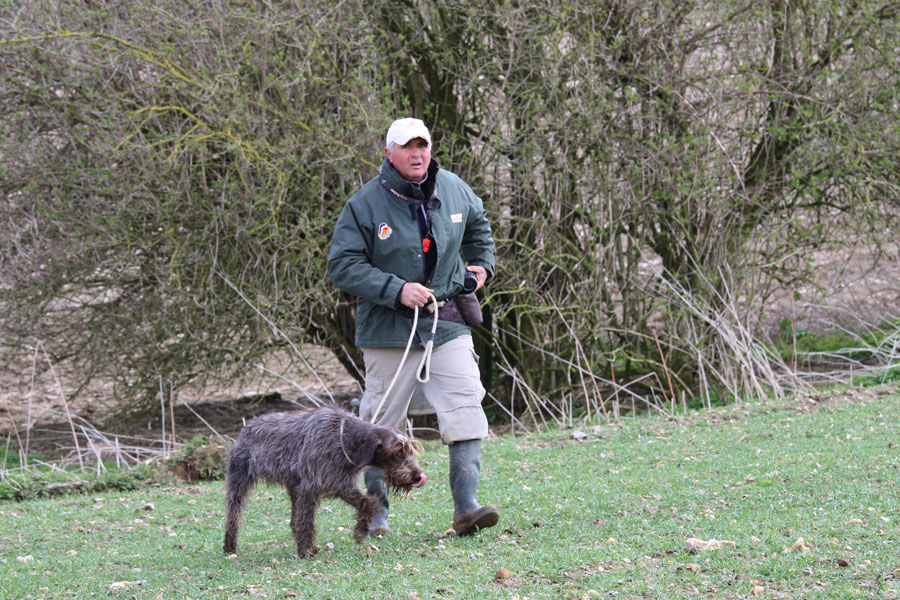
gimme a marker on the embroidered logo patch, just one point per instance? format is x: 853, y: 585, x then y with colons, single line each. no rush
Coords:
x: 456, y: 218
x: 384, y: 231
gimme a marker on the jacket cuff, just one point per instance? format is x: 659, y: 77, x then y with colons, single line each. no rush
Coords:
x: 397, y: 298
x: 390, y: 292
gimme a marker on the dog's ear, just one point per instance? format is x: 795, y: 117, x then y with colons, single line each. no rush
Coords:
x: 404, y: 447
x: 367, y: 450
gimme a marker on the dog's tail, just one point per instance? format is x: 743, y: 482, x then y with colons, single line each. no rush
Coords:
x: 239, y: 481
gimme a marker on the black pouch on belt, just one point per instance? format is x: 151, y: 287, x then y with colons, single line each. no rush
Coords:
x: 469, y: 309
x: 449, y: 312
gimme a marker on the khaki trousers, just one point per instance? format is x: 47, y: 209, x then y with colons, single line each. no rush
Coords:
x: 454, y: 389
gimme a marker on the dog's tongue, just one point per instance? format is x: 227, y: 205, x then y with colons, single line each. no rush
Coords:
x: 421, y: 481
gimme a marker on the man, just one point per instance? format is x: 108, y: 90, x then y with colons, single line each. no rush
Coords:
x: 398, y: 241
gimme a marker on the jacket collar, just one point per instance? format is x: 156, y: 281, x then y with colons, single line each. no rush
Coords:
x: 417, y: 193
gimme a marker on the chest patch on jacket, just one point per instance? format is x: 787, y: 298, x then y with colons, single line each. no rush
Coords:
x: 456, y: 218
x: 384, y: 231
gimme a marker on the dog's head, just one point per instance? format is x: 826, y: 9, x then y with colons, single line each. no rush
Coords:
x: 396, y: 454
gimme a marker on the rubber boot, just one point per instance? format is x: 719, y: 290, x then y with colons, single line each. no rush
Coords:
x: 376, y: 486
x: 465, y: 466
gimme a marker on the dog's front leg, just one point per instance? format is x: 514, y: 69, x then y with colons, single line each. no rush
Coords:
x: 303, y: 521
x: 366, y: 506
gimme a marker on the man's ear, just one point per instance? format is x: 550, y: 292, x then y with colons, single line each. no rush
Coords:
x: 367, y: 450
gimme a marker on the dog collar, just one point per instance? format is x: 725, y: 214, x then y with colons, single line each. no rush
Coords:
x: 344, y: 450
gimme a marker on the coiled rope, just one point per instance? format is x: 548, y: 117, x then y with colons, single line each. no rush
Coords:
x: 423, y: 371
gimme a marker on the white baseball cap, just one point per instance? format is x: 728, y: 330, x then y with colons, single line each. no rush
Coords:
x: 403, y: 130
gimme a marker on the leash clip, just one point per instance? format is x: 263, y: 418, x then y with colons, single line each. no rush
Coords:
x: 432, y: 306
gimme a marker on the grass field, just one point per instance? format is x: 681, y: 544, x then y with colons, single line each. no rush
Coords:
x: 603, y: 517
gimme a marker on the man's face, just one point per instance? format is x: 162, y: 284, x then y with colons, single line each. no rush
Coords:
x: 411, y: 159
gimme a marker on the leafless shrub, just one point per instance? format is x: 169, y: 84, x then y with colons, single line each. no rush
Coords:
x: 172, y: 172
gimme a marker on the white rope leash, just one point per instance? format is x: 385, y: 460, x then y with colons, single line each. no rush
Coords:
x: 424, y: 364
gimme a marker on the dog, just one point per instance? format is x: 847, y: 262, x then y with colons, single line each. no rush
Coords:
x: 316, y: 454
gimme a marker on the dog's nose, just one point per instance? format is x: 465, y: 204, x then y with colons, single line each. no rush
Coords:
x: 421, y: 481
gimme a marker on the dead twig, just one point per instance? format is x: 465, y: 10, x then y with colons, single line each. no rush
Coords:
x: 12, y: 421
x: 65, y: 403
x: 281, y: 333
x: 662, y: 357
x: 210, y: 427
x: 294, y: 384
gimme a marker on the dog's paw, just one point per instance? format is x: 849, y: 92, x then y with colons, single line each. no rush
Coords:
x: 307, y: 552
x: 359, y: 534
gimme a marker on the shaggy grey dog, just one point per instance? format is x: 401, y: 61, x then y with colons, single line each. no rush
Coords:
x: 316, y: 454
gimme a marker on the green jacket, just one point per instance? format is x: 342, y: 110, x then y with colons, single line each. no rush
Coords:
x: 377, y: 247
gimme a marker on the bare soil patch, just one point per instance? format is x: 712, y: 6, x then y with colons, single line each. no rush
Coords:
x: 851, y: 289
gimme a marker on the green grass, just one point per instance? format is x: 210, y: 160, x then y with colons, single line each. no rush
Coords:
x: 200, y: 459
x: 809, y: 343
x: 601, y: 518
x: 888, y: 375
x: 43, y: 482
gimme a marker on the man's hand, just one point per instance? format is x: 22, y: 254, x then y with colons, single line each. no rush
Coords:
x: 413, y: 295
x: 480, y: 274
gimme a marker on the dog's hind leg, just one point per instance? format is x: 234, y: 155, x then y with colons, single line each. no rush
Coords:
x: 239, y: 482
x: 303, y: 522
x: 366, y: 506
